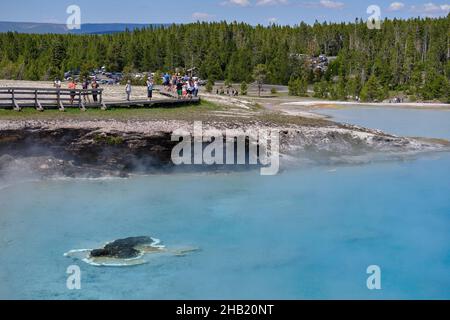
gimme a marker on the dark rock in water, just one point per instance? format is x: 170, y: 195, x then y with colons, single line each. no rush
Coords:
x: 122, y: 248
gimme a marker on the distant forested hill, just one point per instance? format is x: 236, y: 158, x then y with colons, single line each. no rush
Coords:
x: 88, y: 28
x: 411, y: 56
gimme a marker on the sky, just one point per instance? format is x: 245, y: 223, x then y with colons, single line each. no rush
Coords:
x: 182, y: 11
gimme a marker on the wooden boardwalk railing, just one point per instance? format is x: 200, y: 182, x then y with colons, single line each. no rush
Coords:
x: 17, y: 98
x: 43, y: 98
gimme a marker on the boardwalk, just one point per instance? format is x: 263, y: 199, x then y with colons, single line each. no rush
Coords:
x: 17, y: 98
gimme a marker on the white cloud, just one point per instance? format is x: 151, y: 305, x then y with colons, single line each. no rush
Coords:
x: 247, y: 3
x: 396, y: 6
x: 241, y: 3
x: 329, y: 4
x: 202, y: 16
x: 273, y: 20
x: 431, y: 9
x: 271, y: 2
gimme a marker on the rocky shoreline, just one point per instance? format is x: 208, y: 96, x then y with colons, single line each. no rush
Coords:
x: 93, y: 149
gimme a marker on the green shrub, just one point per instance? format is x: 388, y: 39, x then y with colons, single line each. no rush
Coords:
x: 209, y: 86
x: 244, y: 88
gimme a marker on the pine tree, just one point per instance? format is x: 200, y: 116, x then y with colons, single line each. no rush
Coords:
x: 321, y: 90
x: 209, y: 86
x: 259, y: 75
x: 373, y: 90
x: 341, y: 90
x: 298, y: 87
x: 244, y: 88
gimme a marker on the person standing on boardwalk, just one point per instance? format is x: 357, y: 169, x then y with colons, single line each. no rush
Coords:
x: 95, y: 86
x: 189, y: 89
x: 57, y: 83
x: 167, y: 81
x: 174, y: 83
x: 72, y: 86
x: 86, y: 97
x: 150, y: 88
x: 179, y: 86
x: 196, y: 87
x: 128, y: 90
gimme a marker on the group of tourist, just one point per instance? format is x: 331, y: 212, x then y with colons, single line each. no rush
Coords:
x: 150, y: 86
x: 86, y: 85
x: 184, y: 86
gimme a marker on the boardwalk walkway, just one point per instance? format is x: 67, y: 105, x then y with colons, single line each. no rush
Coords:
x: 17, y: 98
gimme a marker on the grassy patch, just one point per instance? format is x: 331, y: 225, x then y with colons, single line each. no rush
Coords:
x: 206, y: 111
x: 187, y: 112
x: 276, y: 118
x: 110, y: 140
